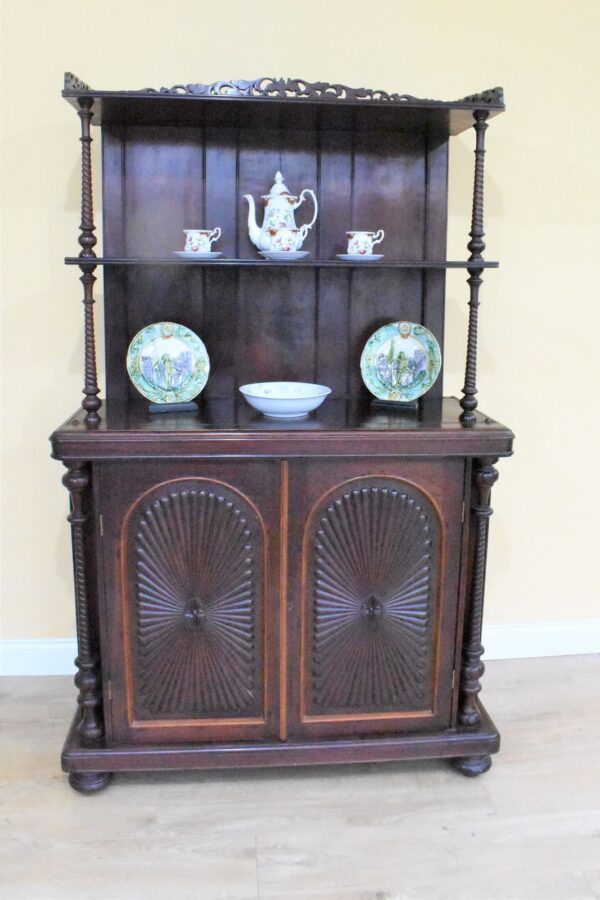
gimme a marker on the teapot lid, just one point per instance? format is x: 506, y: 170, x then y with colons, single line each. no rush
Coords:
x: 278, y: 188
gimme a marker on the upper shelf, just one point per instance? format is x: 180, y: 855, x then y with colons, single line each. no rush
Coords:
x: 278, y: 101
x: 301, y: 264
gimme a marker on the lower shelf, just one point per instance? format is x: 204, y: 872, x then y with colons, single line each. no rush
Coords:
x: 451, y: 743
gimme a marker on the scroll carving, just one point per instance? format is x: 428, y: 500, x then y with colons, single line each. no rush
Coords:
x: 318, y: 90
x: 87, y: 680
x: 472, y: 667
x: 373, y: 595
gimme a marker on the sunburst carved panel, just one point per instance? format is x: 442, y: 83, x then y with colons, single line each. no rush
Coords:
x: 373, y: 582
x: 196, y: 583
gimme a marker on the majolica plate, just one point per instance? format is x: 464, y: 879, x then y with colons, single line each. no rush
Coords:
x: 400, y: 361
x: 168, y: 363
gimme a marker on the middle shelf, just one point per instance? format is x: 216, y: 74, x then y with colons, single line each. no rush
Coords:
x: 296, y: 264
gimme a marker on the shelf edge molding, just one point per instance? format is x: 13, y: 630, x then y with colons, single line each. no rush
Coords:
x: 299, y: 264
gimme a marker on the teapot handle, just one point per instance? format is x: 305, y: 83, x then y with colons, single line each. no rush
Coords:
x: 302, y: 235
x: 316, y: 205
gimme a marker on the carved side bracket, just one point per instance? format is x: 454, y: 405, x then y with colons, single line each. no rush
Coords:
x: 73, y: 83
x: 87, y: 240
x: 493, y: 96
x: 485, y: 476
x: 87, y: 680
x: 476, y: 247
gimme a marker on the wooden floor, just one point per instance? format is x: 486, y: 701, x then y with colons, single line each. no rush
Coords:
x: 529, y: 828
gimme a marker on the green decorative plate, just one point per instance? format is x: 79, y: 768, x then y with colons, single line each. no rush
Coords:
x: 400, y: 361
x: 168, y: 363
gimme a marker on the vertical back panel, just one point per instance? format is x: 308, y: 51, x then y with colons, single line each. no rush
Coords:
x: 272, y: 323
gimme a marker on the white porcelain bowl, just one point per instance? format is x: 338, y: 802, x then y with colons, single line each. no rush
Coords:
x: 284, y: 399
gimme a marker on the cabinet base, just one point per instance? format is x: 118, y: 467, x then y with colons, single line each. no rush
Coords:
x: 468, y: 749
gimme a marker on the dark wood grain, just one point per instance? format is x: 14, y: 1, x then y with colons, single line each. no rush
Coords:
x: 339, y: 428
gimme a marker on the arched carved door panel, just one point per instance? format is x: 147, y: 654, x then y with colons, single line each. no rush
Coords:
x: 193, y: 581
x: 377, y: 596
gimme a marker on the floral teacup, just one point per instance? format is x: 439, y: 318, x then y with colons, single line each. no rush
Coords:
x: 198, y: 240
x: 361, y: 243
x: 287, y: 240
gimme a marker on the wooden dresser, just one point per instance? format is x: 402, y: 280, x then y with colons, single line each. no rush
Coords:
x: 253, y: 592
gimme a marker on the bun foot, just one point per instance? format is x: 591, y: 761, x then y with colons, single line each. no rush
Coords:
x: 89, y: 782
x: 471, y: 765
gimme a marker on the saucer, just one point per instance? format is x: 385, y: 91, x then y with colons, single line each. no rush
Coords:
x: 190, y: 254
x: 288, y: 255
x: 357, y: 257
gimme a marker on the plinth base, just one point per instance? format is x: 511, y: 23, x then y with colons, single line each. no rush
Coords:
x: 467, y: 748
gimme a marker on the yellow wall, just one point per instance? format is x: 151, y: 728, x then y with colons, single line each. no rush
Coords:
x: 539, y: 319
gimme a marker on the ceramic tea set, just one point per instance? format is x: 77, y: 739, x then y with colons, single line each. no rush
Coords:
x: 279, y: 238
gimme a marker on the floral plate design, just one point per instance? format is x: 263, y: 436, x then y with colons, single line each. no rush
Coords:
x: 167, y: 363
x: 400, y: 361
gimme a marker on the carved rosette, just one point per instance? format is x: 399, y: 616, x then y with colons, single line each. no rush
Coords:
x: 485, y: 476
x: 87, y: 679
x: 196, y: 576
x: 374, y: 586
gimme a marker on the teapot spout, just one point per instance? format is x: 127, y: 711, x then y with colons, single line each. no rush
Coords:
x: 254, y: 231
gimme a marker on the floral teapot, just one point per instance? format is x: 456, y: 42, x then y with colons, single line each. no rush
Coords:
x: 279, y: 213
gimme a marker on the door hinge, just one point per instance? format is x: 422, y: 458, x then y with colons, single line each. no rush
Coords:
x: 462, y: 515
x: 101, y: 523
x: 453, y: 678
x: 109, y: 687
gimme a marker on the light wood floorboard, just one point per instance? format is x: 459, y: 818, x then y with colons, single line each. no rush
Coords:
x: 528, y: 829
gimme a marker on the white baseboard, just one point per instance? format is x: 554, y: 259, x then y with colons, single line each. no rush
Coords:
x: 571, y: 637
x: 517, y: 641
x: 38, y: 657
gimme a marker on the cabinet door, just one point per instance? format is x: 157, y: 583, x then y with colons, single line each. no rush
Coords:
x: 189, y: 550
x: 374, y: 583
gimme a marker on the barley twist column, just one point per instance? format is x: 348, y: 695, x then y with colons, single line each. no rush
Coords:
x: 87, y: 680
x: 476, y: 246
x: 485, y: 477
x: 87, y: 240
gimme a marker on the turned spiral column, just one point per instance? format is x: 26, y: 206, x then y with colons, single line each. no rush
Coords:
x: 476, y: 246
x: 485, y: 477
x: 87, y: 680
x: 87, y: 240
